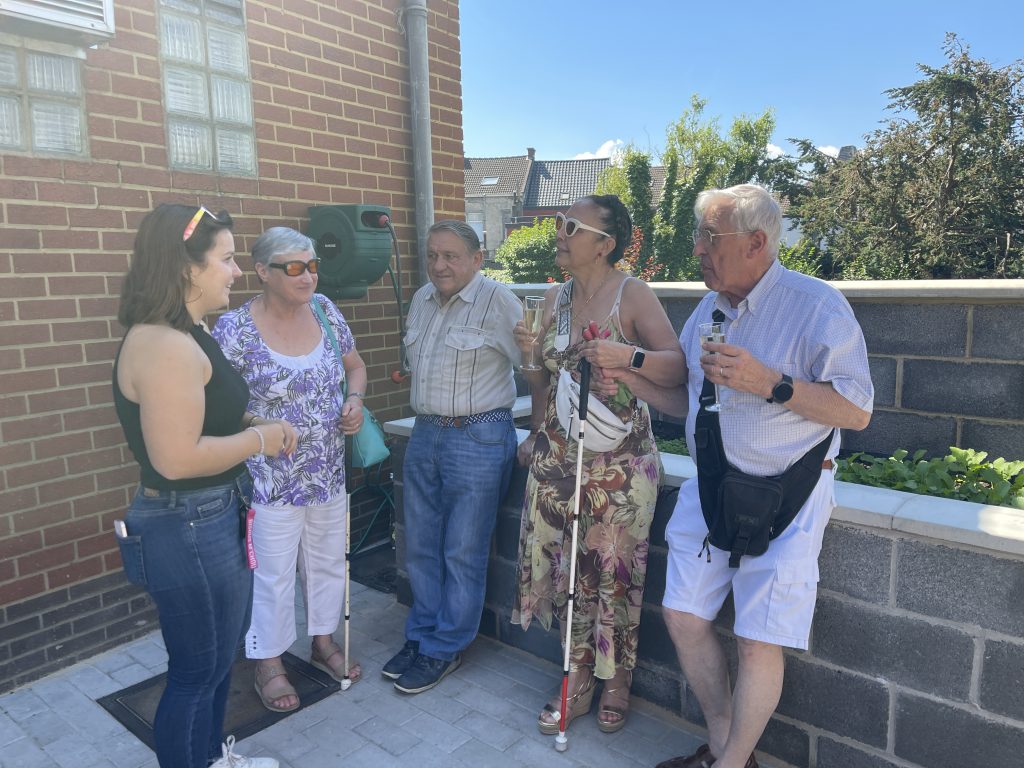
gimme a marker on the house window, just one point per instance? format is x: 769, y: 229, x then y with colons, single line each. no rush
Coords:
x: 41, y: 105
x: 206, y: 86
x: 488, y: 181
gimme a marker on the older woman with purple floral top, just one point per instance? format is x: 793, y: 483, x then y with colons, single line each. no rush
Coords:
x: 278, y: 344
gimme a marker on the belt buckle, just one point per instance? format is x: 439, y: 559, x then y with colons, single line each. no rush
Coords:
x: 458, y: 421
x: 150, y: 493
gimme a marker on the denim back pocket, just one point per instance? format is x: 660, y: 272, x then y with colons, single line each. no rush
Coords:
x: 132, y: 559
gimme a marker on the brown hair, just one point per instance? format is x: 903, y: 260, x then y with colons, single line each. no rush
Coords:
x: 157, y: 283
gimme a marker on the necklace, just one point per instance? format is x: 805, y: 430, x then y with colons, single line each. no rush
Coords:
x: 579, y: 311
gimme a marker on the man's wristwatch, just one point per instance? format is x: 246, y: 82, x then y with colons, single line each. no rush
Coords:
x: 782, y: 391
x: 637, y: 360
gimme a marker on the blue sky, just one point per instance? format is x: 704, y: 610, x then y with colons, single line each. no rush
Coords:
x: 573, y: 77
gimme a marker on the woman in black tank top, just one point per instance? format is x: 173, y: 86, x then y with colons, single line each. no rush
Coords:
x: 183, y: 411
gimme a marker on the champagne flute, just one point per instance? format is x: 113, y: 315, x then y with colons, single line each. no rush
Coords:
x: 714, y: 333
x: 533, y: 316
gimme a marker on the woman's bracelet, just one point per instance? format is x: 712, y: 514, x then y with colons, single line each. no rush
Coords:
x: 263, y: 445
x: 360, y: 395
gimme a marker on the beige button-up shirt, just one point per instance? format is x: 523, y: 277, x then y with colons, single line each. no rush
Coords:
x: 461, y: 354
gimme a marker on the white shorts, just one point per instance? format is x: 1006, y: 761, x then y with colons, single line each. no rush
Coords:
x: 774, y: 593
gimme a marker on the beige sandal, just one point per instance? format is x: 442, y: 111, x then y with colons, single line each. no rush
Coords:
x: 577, y: 704
x: 336, y: 670
x: 270, y: 692
x: 613, y: 708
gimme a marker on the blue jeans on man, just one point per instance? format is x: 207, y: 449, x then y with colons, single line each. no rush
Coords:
x: 454, y: 478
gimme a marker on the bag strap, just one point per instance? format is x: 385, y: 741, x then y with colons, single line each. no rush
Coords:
x: 319, y: 311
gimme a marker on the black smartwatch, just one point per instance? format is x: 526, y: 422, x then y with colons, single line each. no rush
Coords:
x: 782, y: 391
x: 637, y: 361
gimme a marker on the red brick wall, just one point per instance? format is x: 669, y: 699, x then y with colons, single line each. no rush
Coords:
x: 330, y: 87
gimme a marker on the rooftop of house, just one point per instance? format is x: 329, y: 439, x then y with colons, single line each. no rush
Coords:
x: 499, y: 176
x: 557, y: 183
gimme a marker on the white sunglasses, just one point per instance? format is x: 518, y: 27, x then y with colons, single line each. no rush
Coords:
x: 572, y: 226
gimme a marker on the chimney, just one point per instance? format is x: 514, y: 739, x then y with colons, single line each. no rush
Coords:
x: 530, y: 152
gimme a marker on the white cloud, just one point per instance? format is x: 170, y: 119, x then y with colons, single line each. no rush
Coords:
x: 774, y: 151
x: 829, y: 150
x: 609, y: 149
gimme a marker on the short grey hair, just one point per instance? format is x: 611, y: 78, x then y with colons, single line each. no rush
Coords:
x: 753, y: 209
x: 460, y: 229
x: 278, y: 241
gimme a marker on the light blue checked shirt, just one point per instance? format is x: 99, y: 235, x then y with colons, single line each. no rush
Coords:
x: 794, y: 324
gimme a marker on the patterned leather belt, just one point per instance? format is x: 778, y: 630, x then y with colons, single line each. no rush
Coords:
x: 498, y: 414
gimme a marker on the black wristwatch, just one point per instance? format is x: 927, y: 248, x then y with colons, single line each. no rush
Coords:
x: 637, y: 361
x: 782, y: 391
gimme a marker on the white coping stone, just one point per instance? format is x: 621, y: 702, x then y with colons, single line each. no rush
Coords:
x: 1000, y: 529
x: 934, y: 290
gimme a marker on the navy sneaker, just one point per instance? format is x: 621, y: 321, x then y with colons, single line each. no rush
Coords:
x: 401, y: 661
x: 425, y: 673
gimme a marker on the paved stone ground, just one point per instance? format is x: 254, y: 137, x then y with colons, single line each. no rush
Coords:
x: 483, y: 715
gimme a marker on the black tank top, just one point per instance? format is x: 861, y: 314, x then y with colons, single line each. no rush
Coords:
x: 227, y: 396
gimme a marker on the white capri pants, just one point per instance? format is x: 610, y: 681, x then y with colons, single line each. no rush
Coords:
x: 312, y: 537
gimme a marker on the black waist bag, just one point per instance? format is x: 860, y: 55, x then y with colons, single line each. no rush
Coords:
x: 744, y: 512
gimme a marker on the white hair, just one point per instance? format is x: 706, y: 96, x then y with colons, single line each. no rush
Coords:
x: 753, y: 209
x: 278, y: 241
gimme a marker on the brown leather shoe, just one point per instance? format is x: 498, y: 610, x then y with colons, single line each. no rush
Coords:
x: 702, y: 758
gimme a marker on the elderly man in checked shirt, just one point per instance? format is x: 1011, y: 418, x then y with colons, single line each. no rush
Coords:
x: 459, y: 458
x: 793, y: 367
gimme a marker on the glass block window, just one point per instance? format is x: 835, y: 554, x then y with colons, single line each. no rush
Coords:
x: 206, y: 86
x: 41, y: 102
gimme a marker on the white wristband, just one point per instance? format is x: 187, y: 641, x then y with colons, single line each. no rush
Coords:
x: 263, y: 445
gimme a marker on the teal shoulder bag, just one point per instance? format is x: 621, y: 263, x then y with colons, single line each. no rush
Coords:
x: 368, y: 444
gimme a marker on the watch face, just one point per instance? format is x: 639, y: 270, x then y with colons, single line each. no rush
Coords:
x: 638, y: 359
x: 783, y: 391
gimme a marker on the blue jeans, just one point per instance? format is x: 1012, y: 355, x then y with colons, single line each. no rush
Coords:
x: 186, y: 549
x: 453, y: 481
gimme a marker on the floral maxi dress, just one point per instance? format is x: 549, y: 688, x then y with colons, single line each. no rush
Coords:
x: 619, y: 490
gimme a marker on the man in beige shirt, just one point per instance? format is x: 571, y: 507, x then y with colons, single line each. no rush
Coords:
x: 459, y: 458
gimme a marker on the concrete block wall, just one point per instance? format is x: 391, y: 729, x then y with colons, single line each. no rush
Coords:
x: 946, y: 358
x: 330, y: 88
x: 916, y: 657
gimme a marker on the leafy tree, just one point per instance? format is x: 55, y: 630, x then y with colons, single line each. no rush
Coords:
x: 936, y: 193
x: 528, y: 253
x: 802, y: 257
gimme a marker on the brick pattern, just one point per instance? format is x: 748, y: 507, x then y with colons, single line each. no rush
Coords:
x: 331, y: 105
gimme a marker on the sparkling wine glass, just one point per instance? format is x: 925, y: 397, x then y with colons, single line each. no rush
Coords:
x: 533, y: 315
x: 714, y: 333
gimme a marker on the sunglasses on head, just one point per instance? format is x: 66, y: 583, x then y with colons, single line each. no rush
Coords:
x: 296, y: 267
x: 191, y: 226
x: 572, y: 226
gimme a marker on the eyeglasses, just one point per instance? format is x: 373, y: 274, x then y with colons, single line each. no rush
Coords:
x: 191, y: 227
x: 709, y: 237
x: 295, y: 268
x: 572, y: 226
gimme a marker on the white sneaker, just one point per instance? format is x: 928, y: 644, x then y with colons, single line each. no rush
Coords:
x: 231, y: 760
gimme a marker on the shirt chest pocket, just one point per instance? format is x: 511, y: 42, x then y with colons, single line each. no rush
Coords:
x: 464, y: 338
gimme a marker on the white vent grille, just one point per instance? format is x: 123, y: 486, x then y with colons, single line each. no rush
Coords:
x: 79, y: 21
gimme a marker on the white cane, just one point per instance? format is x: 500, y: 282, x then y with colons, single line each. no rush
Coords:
x: 561, y: 742
x: 346, y: 683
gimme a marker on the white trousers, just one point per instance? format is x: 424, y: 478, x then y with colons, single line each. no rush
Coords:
x: 313, y: 538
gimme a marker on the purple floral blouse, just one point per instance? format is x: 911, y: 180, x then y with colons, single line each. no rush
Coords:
x: 303, y: 390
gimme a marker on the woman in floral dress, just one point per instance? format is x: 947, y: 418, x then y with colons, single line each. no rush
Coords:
x: 279, y: 345
x: 615, y: 321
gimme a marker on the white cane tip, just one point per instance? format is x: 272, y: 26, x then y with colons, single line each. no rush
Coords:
x: 561, y: 743
x: 346, y: 684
